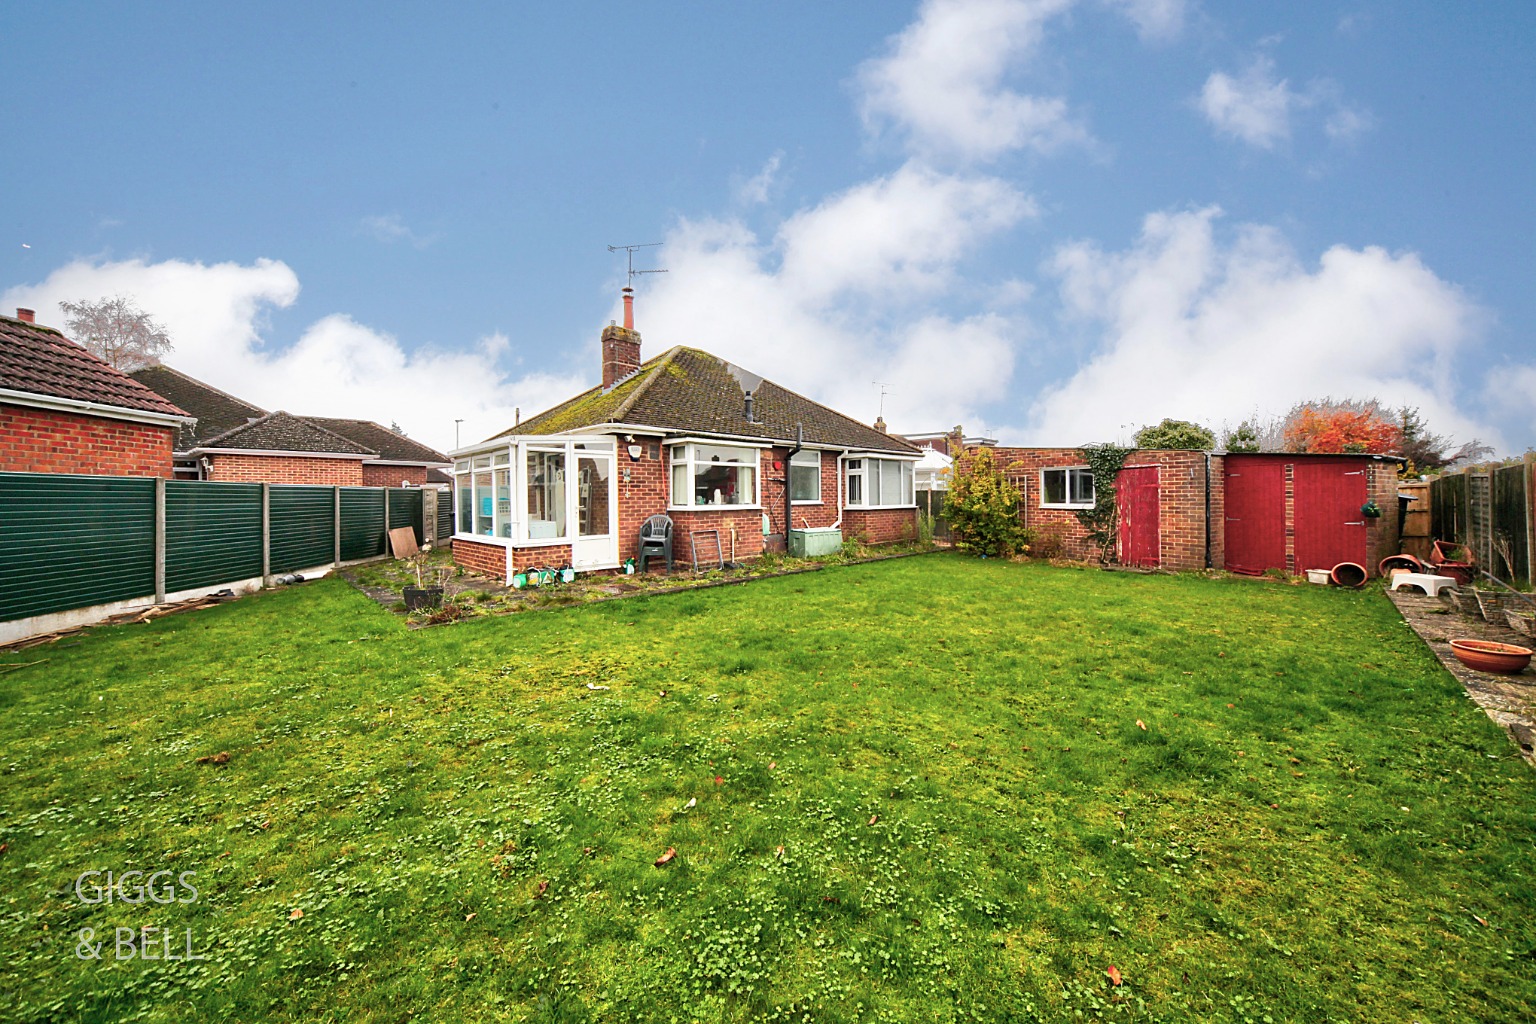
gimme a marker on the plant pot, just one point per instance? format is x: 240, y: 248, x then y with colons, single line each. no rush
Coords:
x: 1403, y: 561
x: 417, y: 598
x: 1487, y: 656
x: 1491, y: 605
x: 1348, y: 574
x: 1523, y: 623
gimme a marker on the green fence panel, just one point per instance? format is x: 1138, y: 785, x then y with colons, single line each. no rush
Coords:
x: 405, y: 508
x: 444, y: 515
x: 362, y: 522
x: 74, y: 541
x: 212, y: 533
x: 1511, y: 558
x: 303, y: 527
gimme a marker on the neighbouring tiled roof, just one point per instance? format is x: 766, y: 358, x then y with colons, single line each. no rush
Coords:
x: 41, y: 361
x: 390, y: 445
x: 284, y: 432
x: 686, y: 390
x: 217, y: 412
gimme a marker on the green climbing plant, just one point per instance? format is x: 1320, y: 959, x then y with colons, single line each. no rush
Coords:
x: 982, y: 507
x: 1103, y: 520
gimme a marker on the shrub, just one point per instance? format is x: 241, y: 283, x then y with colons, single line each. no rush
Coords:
x: 1177, y: 434
x: 983, y: 507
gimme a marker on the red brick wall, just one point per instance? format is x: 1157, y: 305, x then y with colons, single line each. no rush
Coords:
x: 1182, y: 511
x: 552, y: 556
x: 286, y: 469
x: 46, y: 441
x: 749, y: 534
x: 390, y: 476
x: 880, y: 526
x: 485, y: 559
x: 774, y: 482
x: 643, y: 495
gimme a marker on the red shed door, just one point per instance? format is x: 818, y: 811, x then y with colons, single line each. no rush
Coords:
x: 1137, y: 500
x: 1254, y: 490
x: 1329, y: 526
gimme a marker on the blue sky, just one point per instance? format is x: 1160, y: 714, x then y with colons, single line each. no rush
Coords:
x: 1054, y: 220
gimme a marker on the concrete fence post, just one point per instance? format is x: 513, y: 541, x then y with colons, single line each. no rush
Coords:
x: 428, y: 517
x: 159, y: 540
x: 336, y: 520
x: 385, y: 492
x: 266, y: 533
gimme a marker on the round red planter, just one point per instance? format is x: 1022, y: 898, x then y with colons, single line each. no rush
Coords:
x: 1348, y: 574
x: 1487, y: 656
x: 1404, y: 561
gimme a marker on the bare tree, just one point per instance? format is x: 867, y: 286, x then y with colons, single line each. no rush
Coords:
x: 117, y: 331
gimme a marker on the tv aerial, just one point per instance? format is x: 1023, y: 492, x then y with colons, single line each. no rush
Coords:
x: 629, y: 255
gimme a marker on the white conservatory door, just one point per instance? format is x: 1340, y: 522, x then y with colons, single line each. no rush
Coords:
x: 597, y: 512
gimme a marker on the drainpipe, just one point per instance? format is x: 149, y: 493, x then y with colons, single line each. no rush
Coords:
x: 799, y: 444
x: 838, y: 525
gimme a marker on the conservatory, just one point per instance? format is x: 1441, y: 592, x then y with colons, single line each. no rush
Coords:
x: 555, y: 492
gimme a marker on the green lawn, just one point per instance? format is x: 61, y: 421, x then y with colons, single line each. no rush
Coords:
x: 922, y: 795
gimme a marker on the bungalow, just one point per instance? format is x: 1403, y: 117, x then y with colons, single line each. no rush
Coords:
x: 62, y: 410
x: 732, y: 458
x: 236, y: 440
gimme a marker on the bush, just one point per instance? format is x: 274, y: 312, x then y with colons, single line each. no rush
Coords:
x: 1177, y: 434
x: 982, y: 507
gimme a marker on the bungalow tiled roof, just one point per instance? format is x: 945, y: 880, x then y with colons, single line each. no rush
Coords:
x: 284, y: 432
x: 217, y: 412
x: 40, y: 361
x: 687, y: 390
x: 392, y: 447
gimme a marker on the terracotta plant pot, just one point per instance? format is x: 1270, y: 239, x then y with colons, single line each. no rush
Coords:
x: 1487, y: 656
x: 1404, y: 561
x: 1348, y: 574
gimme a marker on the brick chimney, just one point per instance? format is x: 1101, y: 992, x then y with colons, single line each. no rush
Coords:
x: 880, y: 424
x: 621, y: 345
x: 26, y: 316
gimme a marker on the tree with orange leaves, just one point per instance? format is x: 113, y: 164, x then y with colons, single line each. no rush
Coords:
x: 1348, y: 426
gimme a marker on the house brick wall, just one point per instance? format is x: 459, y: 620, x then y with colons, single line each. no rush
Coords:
x: 1182, y: 514
x: 48, y: 441
x: 390, y: 476
x: 643, y: 495
x: 880, y: 526
x: 484, y: 559
x: 286, y: 469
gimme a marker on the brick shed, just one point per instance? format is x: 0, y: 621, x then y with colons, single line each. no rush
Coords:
x: 1185, y: 510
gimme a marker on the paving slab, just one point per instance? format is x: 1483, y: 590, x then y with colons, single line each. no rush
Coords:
x: 1510, y: 700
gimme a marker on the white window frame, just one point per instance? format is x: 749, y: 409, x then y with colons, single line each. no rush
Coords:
x: 683, y: 453
x: 862, y: 471
x: 1070, y: 472
x: 804, y: 460
x: 510, y: 528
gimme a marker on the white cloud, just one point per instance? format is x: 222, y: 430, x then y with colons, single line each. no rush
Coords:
x: 1260, y: 109
x: 216, y: 315
x: 846, y: 293
x: 757, y: 188
x: 1255, y: 108
x: 1196, y: 329
x: 942, y: 83
x: 391, y: 227
x: 1155, y: 20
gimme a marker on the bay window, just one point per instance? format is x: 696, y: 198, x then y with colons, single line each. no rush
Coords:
x: 713, y: 474
x: 880, y: 483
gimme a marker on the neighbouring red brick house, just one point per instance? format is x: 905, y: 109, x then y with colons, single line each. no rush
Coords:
x: 688, y: 435
x: 62, y: 410
x: 236, y: 440
x: 1185, y: 510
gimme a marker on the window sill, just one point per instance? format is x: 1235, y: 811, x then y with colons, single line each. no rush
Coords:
x: 481, y: 538
x: 817, y: 501
x: 1078, y: 508
x: 714, y: 508
x: 878, y: 508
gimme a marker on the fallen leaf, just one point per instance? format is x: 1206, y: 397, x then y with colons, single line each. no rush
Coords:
x: 295, y: 914
x: 874, y: 818
x: 1114, y: 975
x: 588, y: 850
x: 718, y: 780
x: 663, y: 693
x: 779, y: 852
x: 1479, y: 920
x: 1231, y: 705
x: 469, y: 917
x: 664, y: 858
x: 222, y: 757
x: 772, y: 765
x: 543, y: 888
x: 693, y: 802
x: 1141, y: 725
